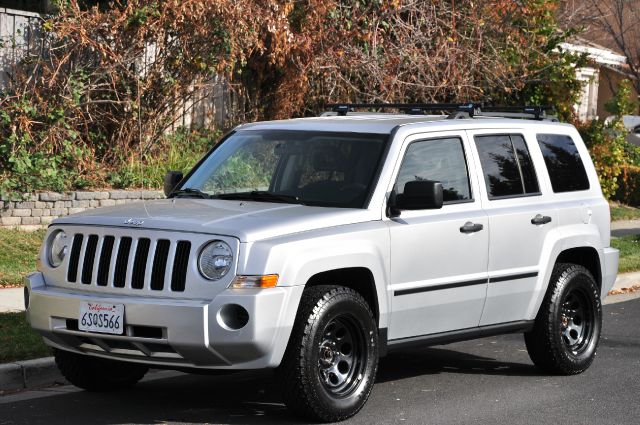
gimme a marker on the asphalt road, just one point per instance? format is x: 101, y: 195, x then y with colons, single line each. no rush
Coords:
x: 487, y: 381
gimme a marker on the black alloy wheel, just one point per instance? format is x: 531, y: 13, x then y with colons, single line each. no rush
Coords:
x: 567, y: 328
x: 342, y: 356
x: 331, y: 361
x: 577, y: 320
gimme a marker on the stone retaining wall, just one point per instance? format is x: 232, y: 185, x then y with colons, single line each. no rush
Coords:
x: 41, y: 208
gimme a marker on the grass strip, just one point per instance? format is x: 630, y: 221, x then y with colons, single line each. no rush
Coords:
x: 18, y: 253
x: 18, y: 341
x: 624, y: 212
x: 629, y: 247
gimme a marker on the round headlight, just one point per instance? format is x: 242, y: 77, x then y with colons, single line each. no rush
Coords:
x: 215, y: 260
x: 58, y: 248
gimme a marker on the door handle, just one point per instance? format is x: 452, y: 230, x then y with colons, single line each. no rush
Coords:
x: 470, y: 227
x: 540, y: 219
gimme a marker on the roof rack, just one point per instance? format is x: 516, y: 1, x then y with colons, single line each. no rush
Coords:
x: 455, y: 110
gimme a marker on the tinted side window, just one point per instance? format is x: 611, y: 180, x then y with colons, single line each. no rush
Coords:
x: 506, y: 165
x: 440, y: 160
x: 563, y: 161
x: 526, y: 165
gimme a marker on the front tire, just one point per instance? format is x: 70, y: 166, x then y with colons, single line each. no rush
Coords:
x: 567, y: 329
x: 97, y: 374
x: 331, y: 360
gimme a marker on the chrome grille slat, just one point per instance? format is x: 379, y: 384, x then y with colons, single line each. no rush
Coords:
x: 150, y: 258
x: 132, y: 255
x: 145, y: 264
x: 112, y: 264
x: 83, y: 249
x: 96, y: 260
x: 168, y: 271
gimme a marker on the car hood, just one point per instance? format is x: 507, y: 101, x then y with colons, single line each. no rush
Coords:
x: 246, y: 220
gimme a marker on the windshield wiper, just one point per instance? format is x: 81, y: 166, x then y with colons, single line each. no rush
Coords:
x: 260, y: 195
x: 190, y: 192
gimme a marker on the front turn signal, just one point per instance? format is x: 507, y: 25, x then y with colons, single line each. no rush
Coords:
x: 264, y: 281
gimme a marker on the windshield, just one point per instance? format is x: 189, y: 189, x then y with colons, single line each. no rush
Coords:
x: 307, y: 167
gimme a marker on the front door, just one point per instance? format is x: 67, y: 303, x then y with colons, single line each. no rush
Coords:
x: 438, y: 257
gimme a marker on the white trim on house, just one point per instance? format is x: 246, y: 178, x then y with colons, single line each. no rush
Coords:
x: 587, y: 106
x: 599, y: 55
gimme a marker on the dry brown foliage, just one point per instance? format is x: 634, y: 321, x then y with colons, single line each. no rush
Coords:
x: 113, y: 79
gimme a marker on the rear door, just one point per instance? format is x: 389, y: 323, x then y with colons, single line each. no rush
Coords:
x: 438, y: 266
x: 520, y: 214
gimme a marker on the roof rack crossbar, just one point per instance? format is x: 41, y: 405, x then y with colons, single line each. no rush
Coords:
x: 410, y: 108
x: 538, y: 112
x: 456, y: 110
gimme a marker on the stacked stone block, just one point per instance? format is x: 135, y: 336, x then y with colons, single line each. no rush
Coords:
x: 41, y: 208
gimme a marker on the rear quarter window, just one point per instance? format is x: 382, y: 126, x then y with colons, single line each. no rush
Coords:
x: 565, y: 166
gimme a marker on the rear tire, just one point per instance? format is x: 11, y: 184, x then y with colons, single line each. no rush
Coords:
x: 567, y: 329
x: 331, y: 361
x: 97, y: 374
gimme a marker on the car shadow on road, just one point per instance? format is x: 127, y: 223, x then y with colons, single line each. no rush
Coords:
x: 423, y: 361
x: 242, y: 398
x: 238, y: 398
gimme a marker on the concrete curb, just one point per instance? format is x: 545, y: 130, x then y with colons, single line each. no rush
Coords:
x: 29, y: 374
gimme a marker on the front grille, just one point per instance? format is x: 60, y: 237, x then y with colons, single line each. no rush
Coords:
x: 126, y: 262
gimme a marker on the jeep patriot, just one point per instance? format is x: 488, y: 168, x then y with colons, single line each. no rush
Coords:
x: 314, y: 246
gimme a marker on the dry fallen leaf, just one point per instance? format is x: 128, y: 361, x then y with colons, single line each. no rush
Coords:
x: 624, y: 290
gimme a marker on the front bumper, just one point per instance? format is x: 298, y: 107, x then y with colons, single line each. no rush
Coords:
x: 170, y: 332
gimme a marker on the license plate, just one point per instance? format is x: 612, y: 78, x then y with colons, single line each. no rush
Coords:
x: 101, y: 317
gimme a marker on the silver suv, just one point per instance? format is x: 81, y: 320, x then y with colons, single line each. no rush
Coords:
x: 315, y: 246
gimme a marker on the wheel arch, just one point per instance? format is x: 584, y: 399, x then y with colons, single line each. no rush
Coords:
x: 569, y: 244
x: 360, y: 279
x: 586, y: 256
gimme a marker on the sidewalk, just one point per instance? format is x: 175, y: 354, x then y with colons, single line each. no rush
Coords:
x: 11, y: 300
x: 625, y: 228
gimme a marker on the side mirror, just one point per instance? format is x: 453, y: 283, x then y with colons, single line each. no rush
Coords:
x: 171, y: 180
x: 419, y: 195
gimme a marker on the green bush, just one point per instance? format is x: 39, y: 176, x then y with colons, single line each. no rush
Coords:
x: 179, y: 151
x: 607, y: 144
x: 629, y: 190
